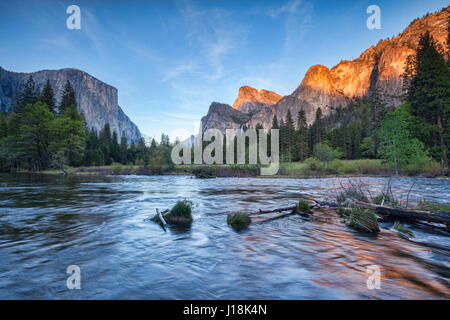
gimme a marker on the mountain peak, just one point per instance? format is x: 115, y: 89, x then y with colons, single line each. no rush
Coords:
x: 249, y: 94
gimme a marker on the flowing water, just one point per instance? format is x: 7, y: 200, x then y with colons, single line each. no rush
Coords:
x: 98, y: 223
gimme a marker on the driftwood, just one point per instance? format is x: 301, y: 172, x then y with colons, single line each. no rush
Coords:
x: 164, y: 223
x: 282, y: 212
x: 289, y: 208
x: 409, y: 214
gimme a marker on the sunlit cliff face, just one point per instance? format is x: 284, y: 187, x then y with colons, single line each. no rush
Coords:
x: 379, y: 67
x: 249, y: 94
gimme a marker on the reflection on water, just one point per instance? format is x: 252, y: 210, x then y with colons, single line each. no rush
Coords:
x: 98, y: 223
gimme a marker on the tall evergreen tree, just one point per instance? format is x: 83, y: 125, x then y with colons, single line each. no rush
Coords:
x: 428, y: 85
x: 319, y: 126
x: 29, y: 95
x: 69, y: 137
x: 67, y: 97
x: 115, y: 147
x: 34, y: 135
x: 3, y: 125
x: 275, y: 124
x: 105, y: 143
x: 289, y: 136
x: 123, y: 148
x: 48, y: 97
x: 131, y: 154
x: 302, y: 136
x: 142, y: 153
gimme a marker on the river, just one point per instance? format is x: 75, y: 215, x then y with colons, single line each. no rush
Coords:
x: 98, y: 223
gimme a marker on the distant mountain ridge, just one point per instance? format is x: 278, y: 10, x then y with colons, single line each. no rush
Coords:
x: 379, y: 67
x: 97, y: 100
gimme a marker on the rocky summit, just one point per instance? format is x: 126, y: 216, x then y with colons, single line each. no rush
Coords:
x: 248, y: 97
x: 97, y: 100
x: 379, y: 67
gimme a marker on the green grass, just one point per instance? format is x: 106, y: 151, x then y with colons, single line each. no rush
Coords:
x: 401, y: 228
x: 239, y: 220
x: 363, y: 220
x: 181, y: 213
x: 303, y: 206
x: 311, y: 167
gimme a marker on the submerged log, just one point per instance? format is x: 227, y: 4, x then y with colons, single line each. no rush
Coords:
x: 409, y: 214
x: 260, y: 211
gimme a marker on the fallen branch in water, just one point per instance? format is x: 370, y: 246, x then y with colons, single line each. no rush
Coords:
x: 249, y: 213
x: 409, y: 214
x: 161, y: 218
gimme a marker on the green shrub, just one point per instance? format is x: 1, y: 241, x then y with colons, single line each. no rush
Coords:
x: 181, y: 213
x: 239, y: 220
x: 303, y: 206
x: 363, y: 220
x: 325, y: 153
x: 344, y: 212
x: 314, y: 164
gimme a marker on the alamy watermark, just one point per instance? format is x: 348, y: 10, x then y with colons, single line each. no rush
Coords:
x: 374, y: 280
x: 374, y: 20
x: 213, y: 152
x: 74, y: 20
x: 74, y: 280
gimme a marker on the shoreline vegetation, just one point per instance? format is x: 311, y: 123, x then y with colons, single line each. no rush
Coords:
x: 311, y: 168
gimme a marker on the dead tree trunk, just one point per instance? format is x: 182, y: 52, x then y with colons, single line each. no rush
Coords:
x: 399, y: 213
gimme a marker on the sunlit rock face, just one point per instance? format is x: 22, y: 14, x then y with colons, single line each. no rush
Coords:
x: 97, y: 100
x: 249, y: 95
x: 379, y: 67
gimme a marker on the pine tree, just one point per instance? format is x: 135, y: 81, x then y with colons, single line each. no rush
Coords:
x: 3, y: 125
x: 302, y: 136
x: 115, y: 147
x: 48, y: 97
x: 69, y: 137
x: 289, y: 136
x: 142, y: 153
x: 34, y: 135
x: 67, y: 97
x: 319, y: 127
x: 428, y: 85
x: 28, y: 96
x: 123, y: 148
x: 275, y: 124
x: 153, y: 146
x: 131, y: 154
x: 105, y: 143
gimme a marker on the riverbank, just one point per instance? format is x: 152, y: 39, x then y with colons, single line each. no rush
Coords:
x: 310, y: 168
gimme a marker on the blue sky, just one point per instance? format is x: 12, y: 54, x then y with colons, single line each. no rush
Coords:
x: 170, y: 59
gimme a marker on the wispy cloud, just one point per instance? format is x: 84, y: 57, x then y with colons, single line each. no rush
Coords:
x: 214, y: 35
x: 179, y: 70
x: 291, y: 7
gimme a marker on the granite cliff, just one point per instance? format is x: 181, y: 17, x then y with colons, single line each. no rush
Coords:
x: 379, y: 67
x: 97, y: 100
